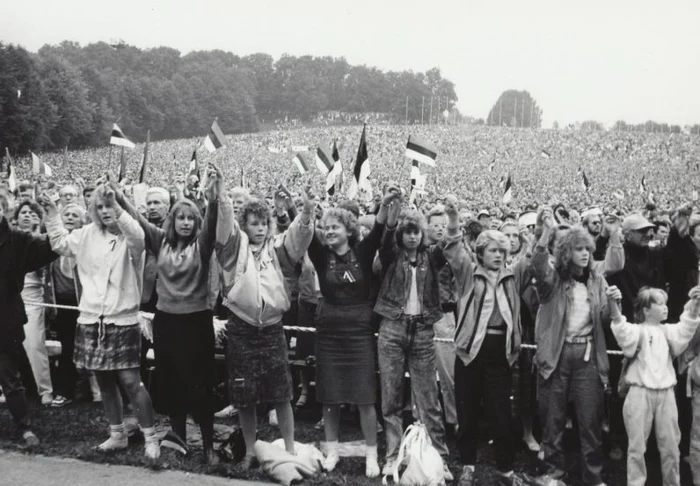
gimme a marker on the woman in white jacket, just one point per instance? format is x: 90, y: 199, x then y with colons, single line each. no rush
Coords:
x: 651, y: 347
x: 109, y: 253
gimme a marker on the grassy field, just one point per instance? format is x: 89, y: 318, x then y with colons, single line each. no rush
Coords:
x: 75, y: 430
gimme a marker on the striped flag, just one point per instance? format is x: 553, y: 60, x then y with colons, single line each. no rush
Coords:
x: 421, y: 150
x: 415, y: 172
x: 144, y: 161
x: 546, y: 154
x: 508, y: 192
x: 215, y: 138
x: 39, y: 167
x: 324, y: 158
x: 302, y: 163
x: 11, y: 176
x: 118, y: 138
x: 361, y: 171
x: 329, y: 166
x: 585, y: 184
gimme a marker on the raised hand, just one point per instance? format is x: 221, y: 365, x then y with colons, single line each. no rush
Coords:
x: 693, y: 306
x: 46, y: 202
x: 309, y: 200
x: 545, y: 218
x: 614, y: 298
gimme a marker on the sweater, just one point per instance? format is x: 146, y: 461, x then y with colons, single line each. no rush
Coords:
x: 183, y: 276
x: 652, y: 347
x: 110, y: 268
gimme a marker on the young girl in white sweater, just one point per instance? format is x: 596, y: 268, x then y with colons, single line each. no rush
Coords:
x: 650, y: 348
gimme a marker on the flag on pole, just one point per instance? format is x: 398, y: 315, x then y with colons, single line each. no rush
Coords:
x: 421, y: 150
x: 508, y: 192
x: 122, y: 166
x: 546, y: 154
x: 11, y: 176
x: 338, y: 167
x: 361, y: 171
x: 324, y: 158
x: 215, y: 138
x: 194, y: 165
x: 144, y: 161
x: 643, y: 184
x: 39, y: 167
x: 585, y: 184
x: 118, y: 138
x: 302, y: 163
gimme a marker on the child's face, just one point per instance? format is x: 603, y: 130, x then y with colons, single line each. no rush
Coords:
x: 656, y: 312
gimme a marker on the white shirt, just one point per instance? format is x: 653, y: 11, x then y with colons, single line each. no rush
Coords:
x: 413, y: 303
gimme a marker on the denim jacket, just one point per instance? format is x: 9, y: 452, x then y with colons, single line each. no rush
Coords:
x: 396, y: 281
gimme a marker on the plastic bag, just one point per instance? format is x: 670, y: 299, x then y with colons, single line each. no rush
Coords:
x: 424, y: 464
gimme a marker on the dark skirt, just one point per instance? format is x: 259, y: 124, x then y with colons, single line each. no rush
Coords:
x: 184, y: 354
x: 306, y: 341
x: 346, y: 369
x: 107, y: 347
x: 258, y: 365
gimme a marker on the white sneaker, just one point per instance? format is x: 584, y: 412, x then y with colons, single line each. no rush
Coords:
x: 330, y: 461
x: 371, y: 466
x: 152, y: 449
x: 272, y: 418
x: 226, y: 412
x: 116, y: 442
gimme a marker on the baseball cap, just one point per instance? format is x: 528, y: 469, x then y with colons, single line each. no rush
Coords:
x: 483, y: 212
x: 635, y: 222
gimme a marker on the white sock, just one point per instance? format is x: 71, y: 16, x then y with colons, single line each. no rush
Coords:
x: 149, y: 433
x: 117, y: 429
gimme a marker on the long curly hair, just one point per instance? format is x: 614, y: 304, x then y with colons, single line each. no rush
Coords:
x: 347, y: 219
x: 575, y: 237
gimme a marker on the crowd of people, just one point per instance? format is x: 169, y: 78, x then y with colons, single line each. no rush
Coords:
x: 574, y: 269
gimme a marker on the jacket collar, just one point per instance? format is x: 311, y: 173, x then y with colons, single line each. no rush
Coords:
x: 502, y: 275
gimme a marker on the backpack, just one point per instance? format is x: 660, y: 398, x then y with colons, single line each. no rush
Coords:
x: 425, y: 466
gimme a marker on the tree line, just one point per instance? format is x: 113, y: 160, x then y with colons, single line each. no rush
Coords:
x: 69, y: 95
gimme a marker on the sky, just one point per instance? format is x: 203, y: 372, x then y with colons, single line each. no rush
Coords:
x: 601, y: 60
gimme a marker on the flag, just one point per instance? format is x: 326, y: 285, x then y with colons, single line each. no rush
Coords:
x: 302, y: 163
x: 546, y: 154
x: 39, y: 167
x: 122, y: 167
x: 144, y: 161
x: 421, y: 150
x: 215, y: 138
x: 585, y: 184
x: 361, y: 171
x: 338, y: 167
x: 643, y: 184
x: 194, y: 165
x: 415, y: 172
x: 324, y: 158
x: 492, y: 164
x: 11, y: 176
x: 508, y: 192
x: 418, y: 181
x: 118, y: 138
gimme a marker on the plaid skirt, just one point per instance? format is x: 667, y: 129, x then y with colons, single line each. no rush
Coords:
x: 108, y: 347
x: 257, y: 363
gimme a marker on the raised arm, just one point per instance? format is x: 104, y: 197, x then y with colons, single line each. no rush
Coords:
x: 296, y: 240
x: 153, y: 236
x: 614, y: 255
x: 62, y: 242
x: 543, y: 271
x: 627, y: 335
x: 214, y: 191
x: 679, y: 335
x: 454, y: 251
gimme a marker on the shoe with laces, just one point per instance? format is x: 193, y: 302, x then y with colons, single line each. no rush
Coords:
x: 118, y: 441
x: 30, y: 440
x: 226, y: 412
x: 60, y: 401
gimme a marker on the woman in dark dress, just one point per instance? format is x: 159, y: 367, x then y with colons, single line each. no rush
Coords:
x: 345, y: 349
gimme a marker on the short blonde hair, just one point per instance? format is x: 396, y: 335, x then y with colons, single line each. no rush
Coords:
x: 646, y: 297
x: 486, y: 238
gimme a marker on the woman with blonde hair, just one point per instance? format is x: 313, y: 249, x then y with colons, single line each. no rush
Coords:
x: 109, y: 253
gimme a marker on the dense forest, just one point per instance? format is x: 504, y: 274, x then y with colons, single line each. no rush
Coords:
x: 69, y: 95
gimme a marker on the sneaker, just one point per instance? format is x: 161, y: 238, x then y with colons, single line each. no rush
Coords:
x: 226, y: 412
x: 467, y: 477
x: 272, y: 418
x: 174, y: 442
x: 30, y: 440
x: 116, y: 442
x: 152, y: 449
x: 60, y: 401
x: 47, y: 399
x: 447, y: 474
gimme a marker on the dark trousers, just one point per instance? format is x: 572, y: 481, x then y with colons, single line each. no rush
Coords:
x: 486, y: 381
x: 12, y: 387
x: 66, y: 376
x: 578, y: 381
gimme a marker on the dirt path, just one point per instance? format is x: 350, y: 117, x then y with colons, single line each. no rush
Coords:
x: 32, y: 470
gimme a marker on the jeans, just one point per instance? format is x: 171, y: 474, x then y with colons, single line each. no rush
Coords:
x: 445, y: 354
x: 66, y: 375
x: 578, y: 380
x: 35, y: 346
x: 643, y: 407
x: 408, y: 343
x: 12, y: 387
x: 485, y: 381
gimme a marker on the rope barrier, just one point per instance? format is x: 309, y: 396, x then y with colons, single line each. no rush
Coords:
x: 612, y: 352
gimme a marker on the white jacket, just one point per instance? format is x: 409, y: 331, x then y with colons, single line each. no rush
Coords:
x: 110, y: 268
x: 652, y: 366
